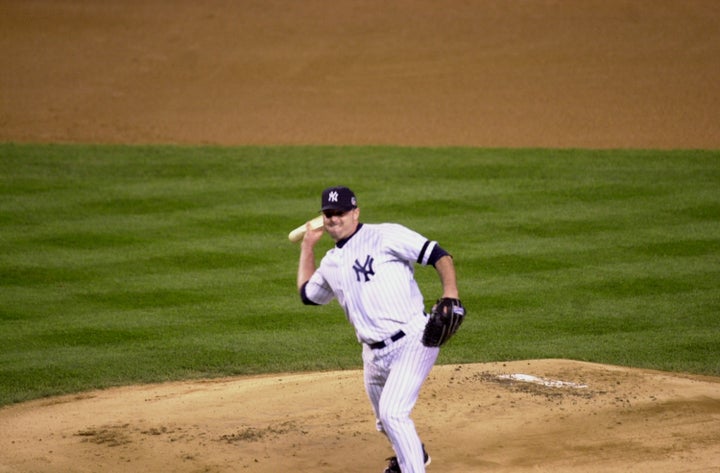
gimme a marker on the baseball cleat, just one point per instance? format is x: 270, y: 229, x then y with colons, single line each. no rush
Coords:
x: 394, y: 467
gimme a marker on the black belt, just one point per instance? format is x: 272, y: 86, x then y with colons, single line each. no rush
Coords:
x: 382, y: 344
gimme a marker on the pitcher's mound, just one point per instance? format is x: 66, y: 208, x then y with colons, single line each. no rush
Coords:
x: 545, y: 415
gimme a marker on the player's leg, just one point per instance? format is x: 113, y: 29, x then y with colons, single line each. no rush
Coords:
x: 375, y: 375
x: 399, y: 395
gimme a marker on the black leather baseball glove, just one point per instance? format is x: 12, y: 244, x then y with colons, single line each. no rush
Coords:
x: 445, y: 318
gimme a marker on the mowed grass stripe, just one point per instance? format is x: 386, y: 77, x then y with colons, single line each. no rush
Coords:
x: 138, y: 264
x: 569, y: 263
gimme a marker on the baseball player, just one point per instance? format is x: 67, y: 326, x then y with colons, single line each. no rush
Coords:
x: 370, y: 273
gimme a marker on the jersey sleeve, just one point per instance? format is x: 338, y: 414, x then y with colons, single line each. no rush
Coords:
x: 408, y: 244
x: 316, y: 291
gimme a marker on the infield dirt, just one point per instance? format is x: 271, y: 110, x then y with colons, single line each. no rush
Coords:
x: 545, y: 73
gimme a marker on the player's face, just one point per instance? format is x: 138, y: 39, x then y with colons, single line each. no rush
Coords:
x: 340, y: 224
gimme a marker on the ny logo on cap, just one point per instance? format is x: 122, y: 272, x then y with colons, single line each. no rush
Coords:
x: 333, y: 196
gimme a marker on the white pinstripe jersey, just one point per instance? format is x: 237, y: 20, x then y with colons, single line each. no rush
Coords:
x: 372, y: 277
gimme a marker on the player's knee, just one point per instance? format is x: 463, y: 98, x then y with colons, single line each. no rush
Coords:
x: 391, y: 420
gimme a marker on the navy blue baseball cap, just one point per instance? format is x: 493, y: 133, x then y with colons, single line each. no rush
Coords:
x: 338, y: 198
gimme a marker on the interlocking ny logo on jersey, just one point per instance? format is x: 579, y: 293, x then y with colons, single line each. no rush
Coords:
x: 364, y: 269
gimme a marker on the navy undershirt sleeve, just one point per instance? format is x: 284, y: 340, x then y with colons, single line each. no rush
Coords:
x: 436, y: 254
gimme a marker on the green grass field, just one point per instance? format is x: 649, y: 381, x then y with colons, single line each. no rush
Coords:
x: 133, y: 264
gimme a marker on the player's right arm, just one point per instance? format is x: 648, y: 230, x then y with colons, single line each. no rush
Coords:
x: 311, y: 284
x: 306, y: 265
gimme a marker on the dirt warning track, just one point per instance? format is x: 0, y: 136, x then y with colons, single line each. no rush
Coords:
x: 540, y: 73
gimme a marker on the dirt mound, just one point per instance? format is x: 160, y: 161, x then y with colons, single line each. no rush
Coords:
x: 525, y: 416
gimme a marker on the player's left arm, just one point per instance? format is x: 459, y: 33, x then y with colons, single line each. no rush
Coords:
x: 448, y: 313
x: 446, y: 270
x: 413, y: 247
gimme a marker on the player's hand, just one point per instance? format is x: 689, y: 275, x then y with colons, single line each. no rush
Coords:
x: 312, y: 236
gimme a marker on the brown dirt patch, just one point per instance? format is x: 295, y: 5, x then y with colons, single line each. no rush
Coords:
x: 547, y: 73
x: 472, y: 417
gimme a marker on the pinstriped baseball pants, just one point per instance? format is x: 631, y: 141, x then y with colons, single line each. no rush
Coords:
x: 393, y: 378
